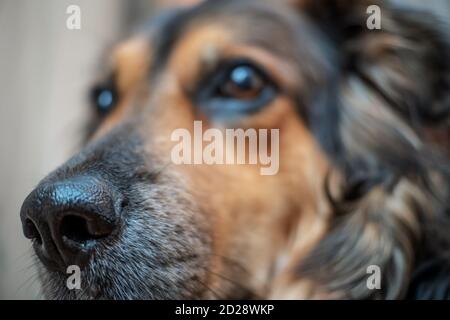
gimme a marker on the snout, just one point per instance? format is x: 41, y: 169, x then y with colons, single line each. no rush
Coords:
x: 67, y: 219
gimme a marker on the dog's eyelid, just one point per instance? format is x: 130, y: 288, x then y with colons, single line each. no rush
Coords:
x: 208, y: 74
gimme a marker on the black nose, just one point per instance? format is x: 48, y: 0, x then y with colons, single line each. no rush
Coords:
x: 67, y: 219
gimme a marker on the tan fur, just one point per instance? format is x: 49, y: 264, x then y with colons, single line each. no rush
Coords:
x: 284, y: 215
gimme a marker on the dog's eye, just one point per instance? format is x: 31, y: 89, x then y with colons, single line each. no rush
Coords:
x: 242, y: 82
x: 236, y: 89
x: 104, y: 98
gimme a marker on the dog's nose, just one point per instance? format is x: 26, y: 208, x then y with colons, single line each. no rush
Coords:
x: 67, y: 219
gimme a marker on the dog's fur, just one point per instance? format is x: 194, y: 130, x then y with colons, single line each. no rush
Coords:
x: 363, y: 179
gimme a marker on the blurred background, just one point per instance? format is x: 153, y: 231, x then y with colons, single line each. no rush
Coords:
x: 45, y: 72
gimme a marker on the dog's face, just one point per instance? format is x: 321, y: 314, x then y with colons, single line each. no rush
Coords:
x: 140, y: 226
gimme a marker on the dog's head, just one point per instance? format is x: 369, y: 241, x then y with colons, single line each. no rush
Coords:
x: 358, y: 114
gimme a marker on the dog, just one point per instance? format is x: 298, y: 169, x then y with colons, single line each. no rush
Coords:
x: 363, y: 175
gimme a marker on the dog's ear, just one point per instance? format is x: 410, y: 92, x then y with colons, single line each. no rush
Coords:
x: 404, y: 65
x: 388, y: 86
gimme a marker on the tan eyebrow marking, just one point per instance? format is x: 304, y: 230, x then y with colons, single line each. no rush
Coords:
x: 131, y: 61
x: 204, y: 46
x: 199, y: 49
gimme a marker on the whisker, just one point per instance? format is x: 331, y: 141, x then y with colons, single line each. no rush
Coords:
x: 247, y: 291
x: 27, y: 282
x: 232, y: 262
x: 217, y: 296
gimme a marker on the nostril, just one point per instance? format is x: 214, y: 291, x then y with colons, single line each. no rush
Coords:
x: 75, y: 228
x: 32, y: 232
x: 81, y: 229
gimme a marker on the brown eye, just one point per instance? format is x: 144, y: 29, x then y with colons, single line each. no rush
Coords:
x: 237, y: 88
x: 243, y: 82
